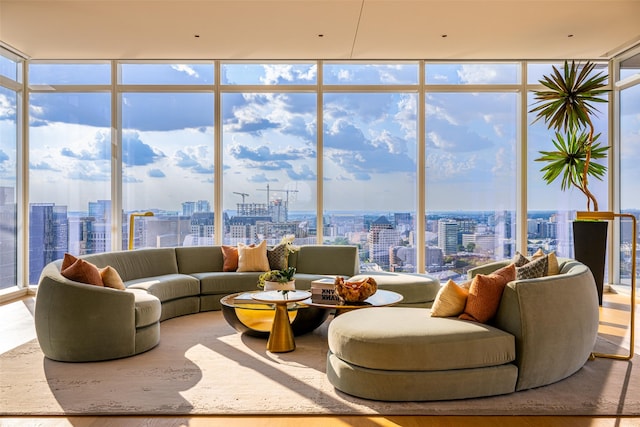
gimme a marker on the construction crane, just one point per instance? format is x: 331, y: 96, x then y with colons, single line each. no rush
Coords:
x: 241, y: 194
x: 269, y: 189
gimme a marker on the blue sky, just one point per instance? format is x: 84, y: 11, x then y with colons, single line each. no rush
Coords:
x: 270, y: 138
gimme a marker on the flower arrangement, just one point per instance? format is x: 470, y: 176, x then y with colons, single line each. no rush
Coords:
x: 287, y: 240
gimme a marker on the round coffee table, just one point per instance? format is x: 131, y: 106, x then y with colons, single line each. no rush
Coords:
x: 248, y: 316
x: 381, y: 298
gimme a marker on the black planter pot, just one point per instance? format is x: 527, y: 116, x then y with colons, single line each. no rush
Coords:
x: 590, y: 247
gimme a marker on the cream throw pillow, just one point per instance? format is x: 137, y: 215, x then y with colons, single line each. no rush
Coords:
x: 450, y: 300
x: 253, y: 259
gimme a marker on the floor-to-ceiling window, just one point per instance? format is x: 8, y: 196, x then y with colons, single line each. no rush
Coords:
x: 269, y: 152
x: 471, y: 150
x: 629, y: 175
x: 167, y: 148
x: 370, y: 139
x: 10, y: 102
x: 69, y: 161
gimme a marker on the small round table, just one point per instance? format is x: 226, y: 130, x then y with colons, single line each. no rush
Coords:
x: 381, y: 298
x: 281, y: 337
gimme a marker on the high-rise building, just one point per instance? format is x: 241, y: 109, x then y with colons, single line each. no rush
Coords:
x: 8, y: 270
x: 382, y: 236
x: 48, y: 236
x: 448, y: 236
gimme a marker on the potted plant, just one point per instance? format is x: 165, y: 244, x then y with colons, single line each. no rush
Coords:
x: 567, y: 105
x: 278, y: 280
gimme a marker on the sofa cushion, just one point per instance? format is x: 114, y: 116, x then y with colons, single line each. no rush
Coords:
x: 80, y: 270
x: 167, y: 287
x: 409, y: 339
x: 485, y: 293
x: 253, y: 258
x: 450, y: 300
x: 216, y: 283
x: 147, y: 308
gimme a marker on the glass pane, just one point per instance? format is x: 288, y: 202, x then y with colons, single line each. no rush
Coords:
x: 269, y: 74
x: 472, y: 74
x: 9, y: 68
x: 370, y: 147
x: 269, y: 156
x: 630, y: 67
x: 167, y: 168
x: 471, y: 141
x: 536, y: 71
x: 551, y: 210
x: 370, y: 74
x: 170, y: 74
x: 629, y: 173
x: 8, y: 176
x: 69, y: 173
x: 70, y: 74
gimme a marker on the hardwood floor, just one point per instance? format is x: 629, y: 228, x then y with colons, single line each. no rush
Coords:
x: 16, y: 328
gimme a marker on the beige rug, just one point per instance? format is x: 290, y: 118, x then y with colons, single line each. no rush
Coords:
x: 202, y: 366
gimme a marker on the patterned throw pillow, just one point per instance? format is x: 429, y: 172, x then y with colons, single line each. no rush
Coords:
x: 553, y: 267
x: 519, y: 260
x: 253, y: 259
x: 80, y: 270
x: 533, y: 269
x: 485, y: 294
x: 450, y: 300
x: 278, y: 257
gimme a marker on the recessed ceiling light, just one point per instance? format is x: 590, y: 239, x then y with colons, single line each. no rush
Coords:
x: 196, y: 35
x: 444, y: 36
x: 570, y: 35
x: 320, y: 35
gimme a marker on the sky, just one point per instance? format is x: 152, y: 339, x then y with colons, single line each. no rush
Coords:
x: 269, y: 138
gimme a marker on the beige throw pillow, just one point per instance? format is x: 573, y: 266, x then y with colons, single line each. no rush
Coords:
x: 450, y: 300
x: 253, y: 259
x: 111, y: 278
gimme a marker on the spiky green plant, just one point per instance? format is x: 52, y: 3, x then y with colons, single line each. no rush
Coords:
x: 567, y: 106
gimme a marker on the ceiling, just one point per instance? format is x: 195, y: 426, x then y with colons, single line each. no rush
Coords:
x: 319, y: 29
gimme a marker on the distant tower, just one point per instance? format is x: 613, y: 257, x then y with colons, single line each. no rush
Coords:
x: 448, y: 236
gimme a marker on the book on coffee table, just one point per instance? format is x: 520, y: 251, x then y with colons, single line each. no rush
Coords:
x: 323, y: 291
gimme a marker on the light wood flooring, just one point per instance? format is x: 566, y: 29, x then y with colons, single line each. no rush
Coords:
x: 16, y: 328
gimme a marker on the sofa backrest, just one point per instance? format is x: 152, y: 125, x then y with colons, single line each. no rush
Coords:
x: 341, y: 260
x: 138, y: 263
x: 199, y: 259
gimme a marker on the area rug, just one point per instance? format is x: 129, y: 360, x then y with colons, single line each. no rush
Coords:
x: 202, y: 366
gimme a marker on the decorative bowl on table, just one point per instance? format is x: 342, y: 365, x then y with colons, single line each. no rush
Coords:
x: 353, y: 292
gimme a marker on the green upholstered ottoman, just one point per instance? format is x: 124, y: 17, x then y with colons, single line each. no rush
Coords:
x: 418, y: 290
x: 404, y: 354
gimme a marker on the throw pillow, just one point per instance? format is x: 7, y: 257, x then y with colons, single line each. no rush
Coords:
x: 450, y: 300
x: 519, y: 260
x: 485, y: 294
x: 80, y: 270
x: 253, y: 259
x: 553, y: 267
x: 111, y: 278
x: 533, y: 269
x: 278, y: 257
x: 230, y: 258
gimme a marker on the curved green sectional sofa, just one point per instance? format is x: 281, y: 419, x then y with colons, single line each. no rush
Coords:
x: 544, y: 331
x: 77, y: 322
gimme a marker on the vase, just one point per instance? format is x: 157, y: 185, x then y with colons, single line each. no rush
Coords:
x: 280, y: 286
x: 590, y: 247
